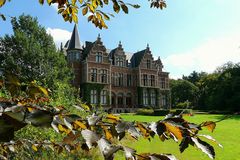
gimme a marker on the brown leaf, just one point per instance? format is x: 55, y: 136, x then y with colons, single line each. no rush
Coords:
x: 210, y: 125
x: 84, y: 10
x: 124, y: 8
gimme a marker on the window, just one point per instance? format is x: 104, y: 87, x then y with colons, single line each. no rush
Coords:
x: 103, y: 97
x: 119, y: 79
x: 103, y: 76
x: 120, y: 99
x: 162, y: 83
x: 145, y: 80
x: 145, y: 98
x: 98, y: 57
x: 93, y: 96
x: 129, y: 80
x: 77, y: 56
x: 129, y: 99
x: 152, y: 80
x: 164, y: 100
x: 148, y: 63
x: 153, y: 98
x: 93, y: 75
x: 119, y: 61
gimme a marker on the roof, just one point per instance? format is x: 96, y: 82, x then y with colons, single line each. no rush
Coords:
x: 74, y: 42
x: 87, y: 49
x: 136, y: 58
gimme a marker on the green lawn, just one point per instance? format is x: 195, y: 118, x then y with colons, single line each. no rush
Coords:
x: 227, y: 133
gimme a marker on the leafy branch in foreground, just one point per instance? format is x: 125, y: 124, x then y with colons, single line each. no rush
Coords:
x: 101, y: 130
x: 93, y: 9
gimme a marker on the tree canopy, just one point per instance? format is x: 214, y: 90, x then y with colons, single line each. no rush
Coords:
x: 31, y: 53
x: 93, y: 9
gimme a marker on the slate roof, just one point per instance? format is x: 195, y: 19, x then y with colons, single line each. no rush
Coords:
x: 87, y: 49
x: 74, y: 42
x: 136, y: 58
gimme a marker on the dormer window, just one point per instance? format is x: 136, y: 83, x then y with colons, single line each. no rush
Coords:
x: 99, y: 57
x: 148, y: 64
x: 119, y: 62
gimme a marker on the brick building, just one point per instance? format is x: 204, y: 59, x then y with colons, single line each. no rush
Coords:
x: 111, y: 79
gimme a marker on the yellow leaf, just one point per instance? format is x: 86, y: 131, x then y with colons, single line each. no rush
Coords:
x: 49, y: 1
x: 80, y: 124
x: 34, y: 148
x: 2, y: 2
x: 85, y: 107
x: 63, y: 129
x: 74, y: 2
x: 210, y: 125
x: 75, y: 18
x: 43, y: 90
x: 108, y: 134
x: 80, y: 1
x: 40, y: 1
x: 143, y: 130
x: 112, y: 118
x: 99, y: 16
x: 174, y: 130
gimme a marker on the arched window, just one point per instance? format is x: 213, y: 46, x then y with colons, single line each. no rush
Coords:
x: 93, y: 96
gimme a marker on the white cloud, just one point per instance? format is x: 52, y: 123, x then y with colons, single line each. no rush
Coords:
x: 206, y: 57
x: 59, y: 35
x: 55, y: 6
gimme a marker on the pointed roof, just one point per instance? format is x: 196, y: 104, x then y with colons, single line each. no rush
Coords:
x: 74, y: 42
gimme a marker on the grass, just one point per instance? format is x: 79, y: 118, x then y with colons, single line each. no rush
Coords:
x: 226, y: 133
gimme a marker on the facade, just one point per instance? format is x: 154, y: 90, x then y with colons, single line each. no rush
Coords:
x: 110, y: 79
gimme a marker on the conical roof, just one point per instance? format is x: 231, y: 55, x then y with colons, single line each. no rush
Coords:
x: 75, y: 40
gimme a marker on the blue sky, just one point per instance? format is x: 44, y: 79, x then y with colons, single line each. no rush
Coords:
x: 189, y: 35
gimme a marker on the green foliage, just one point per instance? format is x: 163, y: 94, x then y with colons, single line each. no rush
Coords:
x: 182, y: 91
x: 31, y: 54
x: 86, y: 91
x: 183, y: 105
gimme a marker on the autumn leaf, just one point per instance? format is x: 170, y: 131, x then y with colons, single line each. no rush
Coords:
x: 174, y: 130
x: 80, y: 124
x: 34, y: 147
x: 84, y: 11
x: 112, y: 118
x: 210, y: 125
x: 124, y: 8
x: 40, y: 1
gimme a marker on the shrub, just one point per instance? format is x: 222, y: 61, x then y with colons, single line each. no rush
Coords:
x: 143, y: 111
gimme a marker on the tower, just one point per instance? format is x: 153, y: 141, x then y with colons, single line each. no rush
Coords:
x: 74, y: 55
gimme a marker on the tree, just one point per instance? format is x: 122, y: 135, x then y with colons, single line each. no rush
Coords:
x: 31, y: 53
x: 182, y: 91
x: 194, y: 77
x: 94, y: 9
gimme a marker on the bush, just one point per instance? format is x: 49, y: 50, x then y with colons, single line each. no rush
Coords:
x: 145, y: 112
x: 161, y: 112
x: 183, y: 104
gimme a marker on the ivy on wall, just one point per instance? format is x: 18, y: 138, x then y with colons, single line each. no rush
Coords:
x: 86, y: 91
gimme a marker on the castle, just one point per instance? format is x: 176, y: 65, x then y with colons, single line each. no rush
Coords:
x: 110, y: 79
